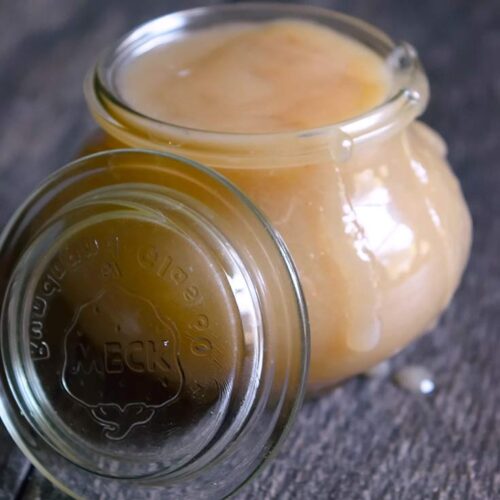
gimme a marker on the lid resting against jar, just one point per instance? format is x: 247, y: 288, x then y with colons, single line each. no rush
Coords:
x: 153, y: 332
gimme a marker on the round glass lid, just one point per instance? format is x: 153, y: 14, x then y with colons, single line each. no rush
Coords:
x: 154, y: 336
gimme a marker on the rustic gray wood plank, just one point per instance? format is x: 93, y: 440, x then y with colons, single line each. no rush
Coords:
x: 367, y: 438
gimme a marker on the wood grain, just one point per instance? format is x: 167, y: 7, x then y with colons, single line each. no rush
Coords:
x: 366, y: 439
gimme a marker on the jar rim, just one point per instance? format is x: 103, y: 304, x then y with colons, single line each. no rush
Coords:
x: 407, y: 101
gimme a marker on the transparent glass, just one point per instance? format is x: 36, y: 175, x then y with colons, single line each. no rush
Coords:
x: 369, y: 208
x: 154, y: 337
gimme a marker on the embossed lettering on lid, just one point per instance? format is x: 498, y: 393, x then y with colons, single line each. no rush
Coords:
x: 139, y: 329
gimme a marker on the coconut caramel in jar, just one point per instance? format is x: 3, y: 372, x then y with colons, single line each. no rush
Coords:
x: 268, y: 77
x: 312, y: 115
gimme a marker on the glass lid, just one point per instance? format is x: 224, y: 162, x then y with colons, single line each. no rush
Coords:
x: 153, y: 333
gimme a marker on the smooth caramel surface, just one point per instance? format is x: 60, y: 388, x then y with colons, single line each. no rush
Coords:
x: 254, y: 78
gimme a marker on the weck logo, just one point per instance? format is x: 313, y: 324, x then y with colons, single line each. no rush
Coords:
x: 121, y: 361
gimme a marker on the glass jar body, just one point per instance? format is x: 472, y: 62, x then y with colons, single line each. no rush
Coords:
x: 369, y: 208
x: 380, y: 241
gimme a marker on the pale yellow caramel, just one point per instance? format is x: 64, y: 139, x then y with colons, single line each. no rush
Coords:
x: 255, y: 78
x: 380, y: 240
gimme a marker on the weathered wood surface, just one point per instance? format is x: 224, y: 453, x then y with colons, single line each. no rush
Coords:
x: 368, y: 438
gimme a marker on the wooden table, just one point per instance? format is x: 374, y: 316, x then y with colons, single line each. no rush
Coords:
x: 368, y: 438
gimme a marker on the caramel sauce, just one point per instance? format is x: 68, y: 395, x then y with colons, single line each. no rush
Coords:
x: 256, y: 78
x: 380, y: 241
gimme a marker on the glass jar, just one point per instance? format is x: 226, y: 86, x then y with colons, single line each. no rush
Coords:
x: 372, y: 214
x: 153, y: 333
